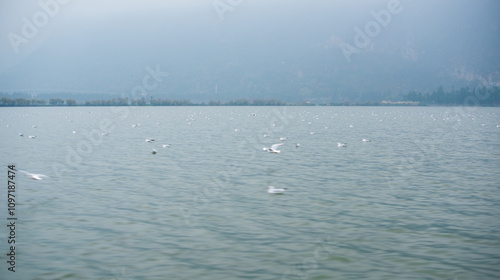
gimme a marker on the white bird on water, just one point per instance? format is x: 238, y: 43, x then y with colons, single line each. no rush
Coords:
x: 273, y: 190
x: 366, y: 140
x: 32, y: 137
x: 344, y: 145
x: 150, y: 140
x: 34, y: 176
x: 274, y: 148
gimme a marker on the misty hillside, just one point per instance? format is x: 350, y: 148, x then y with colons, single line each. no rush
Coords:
x: 288, y: 50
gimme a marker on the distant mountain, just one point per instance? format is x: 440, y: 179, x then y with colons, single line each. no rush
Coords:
x: 324, y: 51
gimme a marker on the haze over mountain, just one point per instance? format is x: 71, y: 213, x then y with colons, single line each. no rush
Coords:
x: 231, y: 49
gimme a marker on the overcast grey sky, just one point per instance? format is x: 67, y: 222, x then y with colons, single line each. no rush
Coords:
x: 249, y: 48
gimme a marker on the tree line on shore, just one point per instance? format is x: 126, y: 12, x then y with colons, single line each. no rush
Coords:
x: 464, y: 96
x: 24, y: 102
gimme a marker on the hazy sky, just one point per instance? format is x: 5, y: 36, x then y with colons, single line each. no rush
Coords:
x: 249, y: 48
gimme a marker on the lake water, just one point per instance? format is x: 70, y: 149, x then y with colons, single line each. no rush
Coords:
x: 420, y: 201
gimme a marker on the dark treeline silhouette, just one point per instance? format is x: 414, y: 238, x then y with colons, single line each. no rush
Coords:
x: 4, y: 101
x: 464, y: 96
x: 7, y: 102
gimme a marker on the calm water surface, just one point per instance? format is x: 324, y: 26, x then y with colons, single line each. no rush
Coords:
x: 420, y: 201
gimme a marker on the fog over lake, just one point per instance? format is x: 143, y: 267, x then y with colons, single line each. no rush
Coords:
x: 288, y: 50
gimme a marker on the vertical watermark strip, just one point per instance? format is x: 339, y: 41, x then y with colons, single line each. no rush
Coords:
x: 11, y: 218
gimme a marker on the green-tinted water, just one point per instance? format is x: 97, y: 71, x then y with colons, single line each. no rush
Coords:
x: 420, y: 201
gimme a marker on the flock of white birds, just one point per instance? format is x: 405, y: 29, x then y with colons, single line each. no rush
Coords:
x: 274, y: 149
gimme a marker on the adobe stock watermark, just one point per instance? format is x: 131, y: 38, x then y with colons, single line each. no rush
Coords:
x: 321, y: 253
x: 221, y: 179
x: 150, y: 82
x: 95, y: 137
x: 40, y: 19
x: 470, y: 104
x: 223, y: 6
x: 373, y: 28
x: 120, y: 274
x: 426, y: 150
